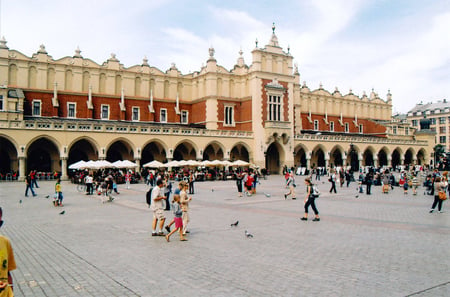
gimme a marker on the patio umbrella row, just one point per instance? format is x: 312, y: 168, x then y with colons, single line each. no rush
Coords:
x: 194, y: 163
x: 102, y: 164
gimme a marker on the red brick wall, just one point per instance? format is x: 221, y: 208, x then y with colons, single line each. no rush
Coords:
x: 242, y: 112
x: 198, y: 112
x: 369, y: 126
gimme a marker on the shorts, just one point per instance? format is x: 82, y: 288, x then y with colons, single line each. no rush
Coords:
x: 178, y: 222
x: 159, y: 214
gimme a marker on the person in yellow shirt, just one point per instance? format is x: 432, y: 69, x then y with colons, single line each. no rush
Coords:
x: 7, y: 264
x: 58, y: 193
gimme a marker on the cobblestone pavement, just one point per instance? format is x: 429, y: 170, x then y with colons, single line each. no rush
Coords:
x: 377, y: 245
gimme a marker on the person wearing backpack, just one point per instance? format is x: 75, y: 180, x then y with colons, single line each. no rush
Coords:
x: 310, y: 199
x: 157, y: 206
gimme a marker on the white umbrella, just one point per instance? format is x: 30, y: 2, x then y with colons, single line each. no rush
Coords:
x: 117, y: 164
x: 193, y: 163
x: 77, y: 165
x: 172, y: 164
x: 154, y: 164
x: 128, y: 164
x: 90, y: 165
x: 240, y: 163
x: 104, y: 164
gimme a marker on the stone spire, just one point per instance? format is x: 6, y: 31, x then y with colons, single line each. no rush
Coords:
x: 211, y: 54
x: 42, y: 50
x: 3, y: 43
x: 240, y: 60
x: 274, y: 39
x: 77, y: 53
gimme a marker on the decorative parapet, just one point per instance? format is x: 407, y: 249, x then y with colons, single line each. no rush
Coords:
x: 356, y: 139
x: 118, y: 127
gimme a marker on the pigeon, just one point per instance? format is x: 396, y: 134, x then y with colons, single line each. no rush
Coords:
x: 47, y: 196
x: 356, y: 196
x: 212, y: 190
x: 248, y: 235
x: 20, y: 201
x: 267, y: 195
x: 62, y: 212
x: 235, y: 224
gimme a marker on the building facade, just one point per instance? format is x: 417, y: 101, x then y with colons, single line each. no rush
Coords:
x: 56, y: 112
x: 439, y: 115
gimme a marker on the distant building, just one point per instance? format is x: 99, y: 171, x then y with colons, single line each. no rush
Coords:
x: 55, y: 112
x: 438, y: 114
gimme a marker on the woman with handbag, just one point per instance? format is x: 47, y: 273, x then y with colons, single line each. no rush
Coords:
x: 439, y: 192
x: 310, y: 200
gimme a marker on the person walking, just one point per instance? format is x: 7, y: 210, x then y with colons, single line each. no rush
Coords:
x: 310, y: 200
x: 438, y: 186
x: 178, y: 220
x: 158, y: 208
x: 184, y: 200
x: 8, y: 263
x: 239, y: 184
x: 191, y: 183
x: 332, y: 180
x: 415, y: 184
x: 290, y: 183
x: 128, y: 179
x: 58, y: 193
x: 29, y: 186
x: 34, y: 179
x: 89, y: 180
x: 369, y: 181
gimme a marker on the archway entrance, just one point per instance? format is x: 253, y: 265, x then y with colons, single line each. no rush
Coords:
x: 43, y: 156
x: 8, y: 159
x: 273, y: 159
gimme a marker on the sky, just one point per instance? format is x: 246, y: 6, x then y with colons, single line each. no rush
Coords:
x: 401, y: 46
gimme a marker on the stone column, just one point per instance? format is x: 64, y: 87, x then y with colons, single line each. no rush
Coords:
x: 64, y: 168
x: 22, y: 173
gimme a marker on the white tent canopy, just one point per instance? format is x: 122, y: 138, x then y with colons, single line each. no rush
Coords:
x: 124, y: 164
x: 154, y: 164
x: 77, y: 165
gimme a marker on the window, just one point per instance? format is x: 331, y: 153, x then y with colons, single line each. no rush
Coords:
x: 36, y: 109
x: 71, y: 110
x: 415, y: 123
x: 184, y: 117
x: 274, y: 108
x: 135, y: 114
x: 346, y: 128
x: 1, y: 102
x: 442, y: 120
x: 229, y: 116
x: 442, y: 139
x: 394, y: 130
x: 163, y: 115
x: 331, y: 126
x: 105, y: 112
x: 442, y: 129
x: 316, y: 125
x: 361, y: 129
x: 433, y: 121
x: 407, y: 131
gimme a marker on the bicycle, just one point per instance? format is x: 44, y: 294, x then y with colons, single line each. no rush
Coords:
x: 81, y: 188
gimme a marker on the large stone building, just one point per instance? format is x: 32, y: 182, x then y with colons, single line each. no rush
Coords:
x: 54, y: 112
x: 439, y: 115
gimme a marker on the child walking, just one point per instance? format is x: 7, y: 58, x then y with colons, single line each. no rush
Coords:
x: 58, y: 194
x: 178, y: 219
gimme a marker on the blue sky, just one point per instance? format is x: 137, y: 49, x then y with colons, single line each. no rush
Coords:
x: 397, y: 45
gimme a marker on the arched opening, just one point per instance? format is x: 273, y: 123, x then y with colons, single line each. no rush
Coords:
x: 8, y: 159
x: 119, y: 150
x: 421, y: 157
x: 273, y: 158
x: 213, y: 152
x: 368, y: 158
x: 184, y: 151
x: 408, y: 157
x: 336, y: 158
x: 352, y: 158
x: 43, y: 156
x: 153, y: 151
x: 82, y: 150
x: 395, y: 159
x: 239, y: 152
x: 382, y: 158
x: 300, y: 158
x: 318, y: 158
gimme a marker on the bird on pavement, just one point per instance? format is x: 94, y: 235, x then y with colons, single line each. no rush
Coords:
x: 248, y: 235
x: 267, y: 195
x: 356, y: 196
x: 47, y: 196
x: 235, y: 224
x: 62, y: 212
x: 20, y: 201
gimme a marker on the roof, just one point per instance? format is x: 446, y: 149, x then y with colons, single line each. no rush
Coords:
x: 421, y: 107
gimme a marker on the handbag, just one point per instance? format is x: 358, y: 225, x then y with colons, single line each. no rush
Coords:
x: 442, y: 195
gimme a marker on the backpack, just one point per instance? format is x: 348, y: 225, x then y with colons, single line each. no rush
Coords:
x: 315, y: 191
x: 148, y: 196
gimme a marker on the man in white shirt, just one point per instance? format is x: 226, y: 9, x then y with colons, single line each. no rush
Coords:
x: 158, y: 208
